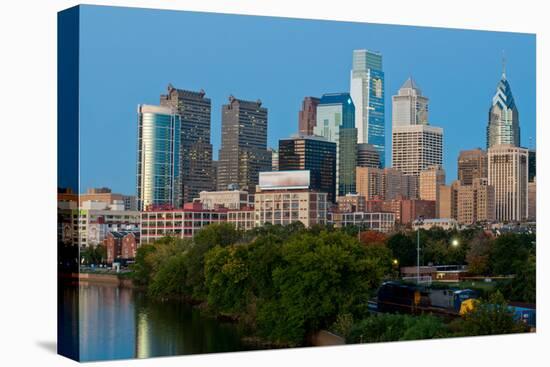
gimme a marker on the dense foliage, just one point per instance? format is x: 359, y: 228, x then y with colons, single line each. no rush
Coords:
x: 285, y: 282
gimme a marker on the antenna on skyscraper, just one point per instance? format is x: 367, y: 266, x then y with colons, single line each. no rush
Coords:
x: 503, y: 65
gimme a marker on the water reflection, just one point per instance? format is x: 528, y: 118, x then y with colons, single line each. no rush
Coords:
x: 120, y: 323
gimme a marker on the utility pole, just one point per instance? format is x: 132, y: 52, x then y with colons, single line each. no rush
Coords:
x: 419, y: 222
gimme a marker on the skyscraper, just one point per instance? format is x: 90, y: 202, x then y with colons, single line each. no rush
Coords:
x: 243, y: 154
x: 409, y: 106
x: 335, y: 122
x: 367, y: 93
x: 307, y: 116
x: 476, y: 202
x: 472, y: 164
x: 312, y: 153
x: 532, y: 165
x: 508, y: 173
x: 503, y: 126
x: 196, y: 151
x: 416, y: 145
x: 159, y: 157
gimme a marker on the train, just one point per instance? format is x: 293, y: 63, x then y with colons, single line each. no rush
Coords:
x: 399, y: 297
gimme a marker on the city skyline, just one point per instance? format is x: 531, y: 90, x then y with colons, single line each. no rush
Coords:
x: 464, y: 122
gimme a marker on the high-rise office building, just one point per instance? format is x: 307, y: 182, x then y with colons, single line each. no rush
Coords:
x: 532, y: 200
x: 312, y: 153
x: 383, y: 184
x: 196, y: 151
x: 472, y: 164
x: 368, y: 156
x: 367, y: 92
x: 335, y: 122
x: 503, y: 126
x: 158, y: 157
x: 274, y: 159
x: 416, y: 145
x: 508, y: 173
x: 429, y: 182
x: 307, y: 116
x: 243, y: 154
x: 532, y: 164
x: 475, y: 202
x: 409, y: 106
x: 416, y: 148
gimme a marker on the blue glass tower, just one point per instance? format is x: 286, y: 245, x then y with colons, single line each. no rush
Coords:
x: 503, y: 126
x: 336, y: 123
x: 159, y: 157
x: 367, y: 93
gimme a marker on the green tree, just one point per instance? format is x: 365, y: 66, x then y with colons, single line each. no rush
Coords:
x: 94, y: 255
x: 403, y: 248
x: 522, y: 287
x: 509, y: 254
x: 490, y: 317
x: 478, y: 254
x: 169, y: 280
x: 320, y: 277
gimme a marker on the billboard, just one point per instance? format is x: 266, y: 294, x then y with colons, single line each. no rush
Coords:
x: 284, y: 180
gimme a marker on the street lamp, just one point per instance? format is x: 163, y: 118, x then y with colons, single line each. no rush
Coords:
x: 419, y: 222
x: 455, y: 243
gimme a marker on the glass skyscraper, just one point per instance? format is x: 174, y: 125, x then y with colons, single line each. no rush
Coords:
x: 312, y: 153
x: 503, y: 127
x: 367, y: 93
x: 336, y: 123
x: 159, y: 157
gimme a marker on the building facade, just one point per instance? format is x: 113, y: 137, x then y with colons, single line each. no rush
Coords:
x: 508, y: 174
x: 384, y: 184
x: 476, y: 202
x: 503, y: 125
x: 368, y: 156
x: 121, y: 245
x: 409, y: 106
x: 429, y: 182
x: 472, y: 164
x: 243, y: 154
x: 416, y: 148
x: 381, y: 222
x: 159, y: 157
x: 229, y: 199
x: 182, y: 223
x: 285, y: 197
x: 532, y: 200
x: 307, y: 116
x: 367, y: 92
x: 312, y: 153
x: 336, y: 123
x: 194, y: 110
x: 351, y: 203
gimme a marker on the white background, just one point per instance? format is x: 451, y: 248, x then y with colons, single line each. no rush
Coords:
x: 28, y: 181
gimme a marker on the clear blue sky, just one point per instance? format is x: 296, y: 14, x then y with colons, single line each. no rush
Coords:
x: 128, y: 57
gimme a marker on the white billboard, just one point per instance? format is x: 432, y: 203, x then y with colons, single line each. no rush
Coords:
x: 284, y: 180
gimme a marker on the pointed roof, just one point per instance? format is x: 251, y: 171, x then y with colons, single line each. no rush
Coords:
x: 410, y: 84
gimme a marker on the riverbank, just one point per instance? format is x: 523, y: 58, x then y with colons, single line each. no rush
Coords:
x: 101, y: 278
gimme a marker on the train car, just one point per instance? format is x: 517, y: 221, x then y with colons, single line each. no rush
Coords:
x: 409, y: 298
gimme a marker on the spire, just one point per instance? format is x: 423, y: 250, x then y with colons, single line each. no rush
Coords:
x: 503, y: 65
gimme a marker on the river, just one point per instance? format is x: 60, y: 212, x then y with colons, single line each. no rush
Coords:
x: 122, y: 323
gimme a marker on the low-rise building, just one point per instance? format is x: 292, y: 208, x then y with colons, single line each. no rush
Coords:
x: 285, y: 197
x: 443, y: 223
x: 242, y: 219
x: 230, y: 199
x: 382, y: 222
x: 351, y: 203
x: 182, y: 222
x: 121, y: 245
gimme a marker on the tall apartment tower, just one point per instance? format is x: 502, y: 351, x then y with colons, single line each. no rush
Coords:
x: 409, y: 106
x: 503, y: 126
x: 196, y: 151
x: 312, y: 153
x: 367, y: 93
x: 158, y: 157
x: 429, y: 182
x: 307, y: 116
x: 336, y: 123
x: 472, y: 164
x: 508, y: 173
x: 415, y: 147
x: 243, y: 154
